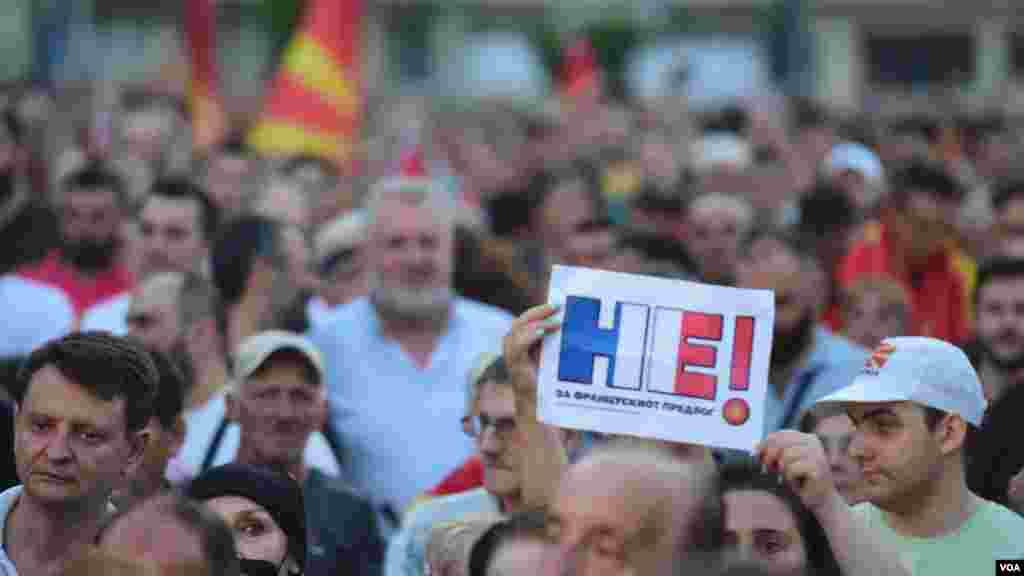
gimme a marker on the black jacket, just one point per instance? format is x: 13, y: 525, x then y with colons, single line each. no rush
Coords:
x: 342, y: 532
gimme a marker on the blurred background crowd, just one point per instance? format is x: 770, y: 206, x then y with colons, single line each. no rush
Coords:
x: 325, y: 215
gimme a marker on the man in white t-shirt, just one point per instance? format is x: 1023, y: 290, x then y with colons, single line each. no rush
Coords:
x: 912, y: 406
x: 395, y: 358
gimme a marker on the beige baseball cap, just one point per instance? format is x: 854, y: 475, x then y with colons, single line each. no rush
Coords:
x: 254, y: 351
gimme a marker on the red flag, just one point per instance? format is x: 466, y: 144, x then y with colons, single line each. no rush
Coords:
x: 580, y: 78
x: 209, y: 122
x: 315, y: 104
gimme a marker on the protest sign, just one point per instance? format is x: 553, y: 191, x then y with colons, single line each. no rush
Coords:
x: 657, y: 358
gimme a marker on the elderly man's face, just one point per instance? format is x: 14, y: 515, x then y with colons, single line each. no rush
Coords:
x: 611, y: 518
x: 150, y: 533
x: 498, y: 439
x: 278, y: 407
x: 410, y: 254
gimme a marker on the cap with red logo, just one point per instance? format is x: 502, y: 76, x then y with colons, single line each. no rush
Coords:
x: 925, y: 371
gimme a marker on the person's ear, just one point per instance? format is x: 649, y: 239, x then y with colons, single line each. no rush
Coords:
x: 137, y: 443
x: 952, y: 433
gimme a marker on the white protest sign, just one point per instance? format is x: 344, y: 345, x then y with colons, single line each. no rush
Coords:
x: 657, y: 358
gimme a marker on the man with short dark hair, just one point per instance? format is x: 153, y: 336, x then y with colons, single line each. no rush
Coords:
x: 999, y: 325
x: 995, y: 455
x: 1008, y: 216
x: 92, y: 205
x: 83, y: 404
x: 912, y: 243
x: 807, y: 361
x: 177, y: 225
x: 250, y: 268
x: 171, y: 533
x: 912, y: 407
x: 166, y: 434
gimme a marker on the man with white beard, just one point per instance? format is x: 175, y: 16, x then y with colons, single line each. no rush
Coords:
x: 397, y: 359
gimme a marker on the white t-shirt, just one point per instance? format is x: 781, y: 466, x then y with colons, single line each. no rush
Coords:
x: 34, y: 313
x: 992, y: 533
x: 109, y: 315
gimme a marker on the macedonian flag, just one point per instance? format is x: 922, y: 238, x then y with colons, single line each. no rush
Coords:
x: 314, y: 106
x: 209, y: 122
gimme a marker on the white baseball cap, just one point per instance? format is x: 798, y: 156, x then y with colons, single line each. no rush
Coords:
x: 254, y: 351
x: 925, y: 371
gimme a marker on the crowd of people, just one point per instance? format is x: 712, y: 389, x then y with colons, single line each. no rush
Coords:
x: 232, y: 364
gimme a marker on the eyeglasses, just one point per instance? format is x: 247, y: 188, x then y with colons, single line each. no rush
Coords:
x: 503, y: 427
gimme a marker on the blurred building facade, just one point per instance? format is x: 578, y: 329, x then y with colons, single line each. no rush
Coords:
x: 870, y: 55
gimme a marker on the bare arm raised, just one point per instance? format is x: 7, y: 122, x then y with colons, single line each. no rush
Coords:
x: 544, y: 456
x: 800, y: 459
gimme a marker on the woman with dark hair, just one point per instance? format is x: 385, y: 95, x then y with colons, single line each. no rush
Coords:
x: 515, y: 545
x: 264, y: 511
x: 766, y: 522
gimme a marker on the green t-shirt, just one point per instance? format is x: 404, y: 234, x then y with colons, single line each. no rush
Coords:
x: 993, y: 533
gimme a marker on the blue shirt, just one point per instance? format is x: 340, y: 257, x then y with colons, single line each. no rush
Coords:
x: 401, y: 424
x: 832, y: 364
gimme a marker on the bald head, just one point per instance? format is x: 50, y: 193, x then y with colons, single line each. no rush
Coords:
x: 173, y: 533
x: 630, y: 507
x: 153, y: 313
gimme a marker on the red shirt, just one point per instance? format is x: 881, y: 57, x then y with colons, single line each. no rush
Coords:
x: 466, y: 477
x: 83, y: 291
x: 939, y: 300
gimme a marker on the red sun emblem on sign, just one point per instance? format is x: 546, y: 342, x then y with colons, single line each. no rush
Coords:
x: 736, y: 411
x: 880, y: 356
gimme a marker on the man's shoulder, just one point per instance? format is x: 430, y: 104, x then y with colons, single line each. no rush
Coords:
x: 24, y: 286
x: 334, y: 489
x: 7, y: 499
x: 108, y: 314
x: 995, y: 514
x: 342, y: 321
x: 479, y: 312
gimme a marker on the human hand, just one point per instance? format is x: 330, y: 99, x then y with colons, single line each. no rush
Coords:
x: 800, y: 459
x: 521, y: 346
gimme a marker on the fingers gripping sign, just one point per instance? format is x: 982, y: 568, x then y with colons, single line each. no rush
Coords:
x: 522, y: 344
x: 800, y: 459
